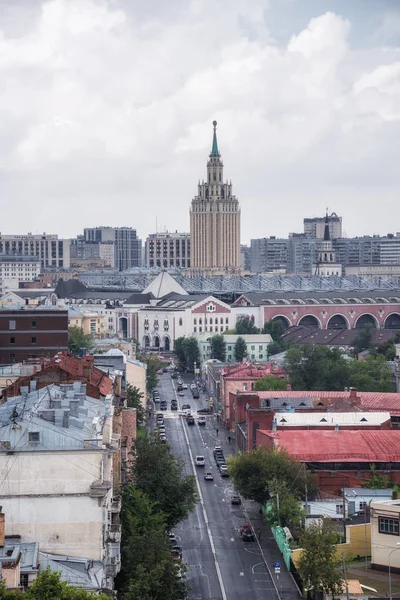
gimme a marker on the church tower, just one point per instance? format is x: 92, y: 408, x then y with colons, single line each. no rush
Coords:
x: 215, y: 220
x: 326, y: 257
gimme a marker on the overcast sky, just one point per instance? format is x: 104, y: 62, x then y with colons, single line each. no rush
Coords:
x: 106, y: 111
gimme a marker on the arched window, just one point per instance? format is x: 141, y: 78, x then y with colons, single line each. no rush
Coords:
x: 207, y: 193
x: 195, y: 321
x: 222, y: 193
x: 216, y: 320
x: 221, y: 320
x: 200, y: 321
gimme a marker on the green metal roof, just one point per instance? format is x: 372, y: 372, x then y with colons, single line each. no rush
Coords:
x: 214, y: 149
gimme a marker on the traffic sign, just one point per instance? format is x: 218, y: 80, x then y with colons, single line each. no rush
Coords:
x: 277, y: 566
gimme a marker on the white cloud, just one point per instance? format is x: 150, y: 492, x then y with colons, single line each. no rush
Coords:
x: 106, y: 108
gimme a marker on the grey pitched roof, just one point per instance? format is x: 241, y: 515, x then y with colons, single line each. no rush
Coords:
x: 79, y: 572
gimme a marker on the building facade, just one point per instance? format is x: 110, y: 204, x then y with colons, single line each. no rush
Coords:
x: 168, y: 250
x: 31, y: 333
x: 269, y: 254
x: 215, y: 220
x: 315, y: 227
x: 51, y: 251
x: 17, y: 269
x: 119, y: 247
x: 327, y: 265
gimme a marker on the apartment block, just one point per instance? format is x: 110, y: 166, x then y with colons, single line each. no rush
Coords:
x: 51, y: 251
x: 168, y: 250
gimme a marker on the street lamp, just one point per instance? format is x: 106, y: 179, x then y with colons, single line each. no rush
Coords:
x: 365, y: 527
x: 390, y: 573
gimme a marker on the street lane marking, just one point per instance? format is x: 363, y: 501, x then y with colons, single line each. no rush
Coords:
x: 218, y: 570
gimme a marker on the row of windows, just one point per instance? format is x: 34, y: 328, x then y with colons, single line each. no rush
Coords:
x: 221, y: 320
x: 389, y: 526
x: 33, y: 340
x: 210, y: 328
x: 13, y: 324
x: 253, y: 356
x: 260, y: 348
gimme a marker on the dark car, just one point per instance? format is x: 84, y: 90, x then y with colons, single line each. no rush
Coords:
x: 204, y: 411
x: 236, y: 499
x: 174, y: 376
x: 247, y: 533
x: 190, y: 420
x: 179, y: 387
x: 174, y: 406
x: 163, y: 405
x: 185, y: 406
x: 220, y: 459
x: 165, y: 370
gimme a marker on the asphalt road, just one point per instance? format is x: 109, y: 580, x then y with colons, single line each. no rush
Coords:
x: 220, y: 565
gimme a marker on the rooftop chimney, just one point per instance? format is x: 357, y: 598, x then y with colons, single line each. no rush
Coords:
x: 353, y: 393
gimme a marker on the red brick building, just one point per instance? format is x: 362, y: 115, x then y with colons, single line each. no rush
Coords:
x: 340, y: 458
x: 29, y: 333
x: 65, y: 368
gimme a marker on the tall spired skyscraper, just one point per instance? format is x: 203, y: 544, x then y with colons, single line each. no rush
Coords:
x: 215, y: 220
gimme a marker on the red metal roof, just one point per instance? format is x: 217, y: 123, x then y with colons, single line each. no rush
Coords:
x: 366, y: 400
x: 338, y: 446
x: 251, y: 371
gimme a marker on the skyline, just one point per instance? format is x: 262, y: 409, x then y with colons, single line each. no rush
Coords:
x: 98, y: 122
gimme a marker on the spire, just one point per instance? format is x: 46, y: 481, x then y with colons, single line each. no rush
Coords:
x: 327, y: 235
x: 214, y: 149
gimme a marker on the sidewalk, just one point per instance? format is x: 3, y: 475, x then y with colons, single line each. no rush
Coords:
x: 285, y: 583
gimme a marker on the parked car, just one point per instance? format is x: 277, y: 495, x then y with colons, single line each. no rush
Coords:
x: 247, y: 533
x: 176, y: 553
x: 223, y: 469
x: 208, y: 476
x: 216, y: 448
x: 235, y: 499
x: 201, y: 421
x: 165, y: 370
x: 160, y: 418
x: 200, y: 460
x: 172, y: 539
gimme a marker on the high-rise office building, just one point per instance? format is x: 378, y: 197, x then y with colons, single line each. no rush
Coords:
x: 215, y: 220
x: 269, y: 254
x: 168, y: 250
x: 52, y: 252
x: 127, y: 250
x: 315, y: 227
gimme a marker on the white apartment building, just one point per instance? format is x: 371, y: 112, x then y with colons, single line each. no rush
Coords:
x: 256, y: 346
x: 17, y: 269
x: 60, y: 485
x: 51, y: 251
x: 168, y: 250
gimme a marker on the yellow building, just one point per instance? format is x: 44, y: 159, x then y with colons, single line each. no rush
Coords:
x: 90, y: 322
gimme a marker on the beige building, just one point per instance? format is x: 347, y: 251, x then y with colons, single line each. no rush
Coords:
x: 215, y: 220
x: 90, y: 322
x: 385, y: 545
x: 168, y: 250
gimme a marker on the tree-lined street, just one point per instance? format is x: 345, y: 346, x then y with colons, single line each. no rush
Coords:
x: 220, y: 564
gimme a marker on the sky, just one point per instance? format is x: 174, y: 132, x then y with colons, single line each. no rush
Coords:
x: 106, y: 111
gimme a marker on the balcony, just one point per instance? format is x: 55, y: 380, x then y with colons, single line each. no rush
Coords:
x: 113, y: 534
x: 99, y: 489
x: 116, y: 505
x: 112, y: 565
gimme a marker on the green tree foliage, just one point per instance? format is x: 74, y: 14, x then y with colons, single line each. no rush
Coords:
x: 245, y: 325
x: 159, y: 474
x: 153, y: 364
x: 376, y: 480
x: 240, y: 349
x: 319, y: 568
x: 370, y: 375
x: 319, y: 368
x: 275, y: 348
x: 387, y: 349
x: 134, y: 400
x: 363, y: 340
x: 316, y: 368
x: 285, y: 509
x: 274, y: 328
x: 77, y: 340
x: 254, y: 472
x: 48, y: 586
x: 148, y: 571
x: 218, y: 347
x: 270, y: 383
x: 179, y: 352
x: 187, y: 352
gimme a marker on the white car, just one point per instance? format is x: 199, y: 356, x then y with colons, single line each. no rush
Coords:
x: 200, y: 461
x: 184, y: 386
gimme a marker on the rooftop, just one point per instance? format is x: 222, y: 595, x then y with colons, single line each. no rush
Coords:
x: 338, y: 446
x: 53, y: 418
x: 303, y: 419
x: 249, y: 370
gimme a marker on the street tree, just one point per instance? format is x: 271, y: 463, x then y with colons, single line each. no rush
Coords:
x: 192, y: 352
x: 285, y: 509
x: 180, y: 353
x: 319, y: 566
x: 270, y: 383
x: 153, y: 364
x: 218, y: 347
x: 159, y: 474
x: 240, y: 349
x: 135, y: 400
x: 77, y: 340
x: 245, y: 325
x: 252, y: 473
x: 148, y: 571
